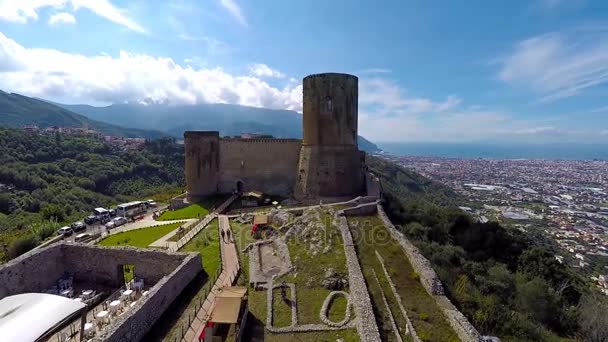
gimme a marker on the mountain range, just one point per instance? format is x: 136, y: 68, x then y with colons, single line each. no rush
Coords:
x: 155, y: 120
x: 18, y: 110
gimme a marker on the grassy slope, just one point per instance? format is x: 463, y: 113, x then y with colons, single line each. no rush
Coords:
x: 257, y: 305
x: 139, y: 237
x: 191, y: 211
x: 207, y: 244
x: 425, y: 314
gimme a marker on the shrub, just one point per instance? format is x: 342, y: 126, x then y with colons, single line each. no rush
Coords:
x: 416, y: 276
x: 424, y: 336
x: 423, y: 316
x: 22, y: 245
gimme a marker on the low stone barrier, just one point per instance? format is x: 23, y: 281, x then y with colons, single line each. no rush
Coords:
x: 364, y: 209
x: 326, y: 305
x: 362, y: 303
x: 390, y: 313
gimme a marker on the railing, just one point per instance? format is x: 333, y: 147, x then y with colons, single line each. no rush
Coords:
x: 198, y: 305
x: 191, y: 234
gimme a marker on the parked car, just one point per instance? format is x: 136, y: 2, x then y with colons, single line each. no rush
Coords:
x: 110, y: 225
x: 78, y: 226
x: 81, y: 237
x: 65, y: 231
x: 90, y: 219
x: 119, y: 221
x: 112, y: 212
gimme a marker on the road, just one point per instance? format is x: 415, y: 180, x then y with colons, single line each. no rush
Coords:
x: 100, y: 228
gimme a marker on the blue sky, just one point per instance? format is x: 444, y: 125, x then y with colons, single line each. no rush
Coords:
x: 533, y: 71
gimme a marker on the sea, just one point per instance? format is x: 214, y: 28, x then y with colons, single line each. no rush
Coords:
x: 564, y: 151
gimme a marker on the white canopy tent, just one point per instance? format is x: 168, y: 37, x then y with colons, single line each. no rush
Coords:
x: 37, y: 316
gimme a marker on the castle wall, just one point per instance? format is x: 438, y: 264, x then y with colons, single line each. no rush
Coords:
x: 202, y: 163
x: 267, y: 165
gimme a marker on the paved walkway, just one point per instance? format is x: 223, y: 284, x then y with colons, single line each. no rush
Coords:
x: 164, y: 241
x: 230, y: 268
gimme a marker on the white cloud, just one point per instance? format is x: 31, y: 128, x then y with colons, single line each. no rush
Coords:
x: 62, y: 18
x: 130, y: 77
x: 234, y: 9
x: 392, y: 98
x: 263, y: 70
x: 22, y: 11
x: 538, y: 130
x: 558, y: 65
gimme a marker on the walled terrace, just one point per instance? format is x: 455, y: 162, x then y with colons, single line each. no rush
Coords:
x: 101, y: 269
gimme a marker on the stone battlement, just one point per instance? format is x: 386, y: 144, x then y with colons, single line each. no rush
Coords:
x: 261, y: 140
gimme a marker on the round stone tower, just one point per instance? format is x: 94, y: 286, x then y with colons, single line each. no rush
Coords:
x: 202, y: 163
x: 330, y: 163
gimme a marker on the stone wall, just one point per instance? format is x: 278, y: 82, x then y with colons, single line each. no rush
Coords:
x: 362, y: 303
x: 33, y: 271
x: 364, y: 209
x: 134, y: 324
x: 101, y: 265
x: 429, y: 279
x: 267, y: 165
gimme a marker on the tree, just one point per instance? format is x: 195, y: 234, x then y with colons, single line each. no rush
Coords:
x: 593, y: 320
x: 538, y: 300
x: 22, y: 245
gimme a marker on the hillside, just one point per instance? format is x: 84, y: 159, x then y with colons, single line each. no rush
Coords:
x: 18, y: 110
x: 507, y: 284
x: 225, y: 118
x: 47, y: 180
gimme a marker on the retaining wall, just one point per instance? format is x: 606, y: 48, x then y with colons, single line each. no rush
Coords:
x: 362, y: 303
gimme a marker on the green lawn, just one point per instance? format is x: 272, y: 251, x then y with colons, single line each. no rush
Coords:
x: 309, y: 300
x: 139, y: 237
x: 337, y: 309
x: 370, y: 236
x: 189, y: 212
x: 281, y: 309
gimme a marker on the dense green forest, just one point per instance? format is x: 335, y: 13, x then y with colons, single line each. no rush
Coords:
x: 49, y: 180
x: 508, y: 284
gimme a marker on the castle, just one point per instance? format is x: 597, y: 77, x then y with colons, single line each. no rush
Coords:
x: 325, y: 164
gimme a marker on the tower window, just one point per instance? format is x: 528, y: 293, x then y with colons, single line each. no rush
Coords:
x: 328, y: 105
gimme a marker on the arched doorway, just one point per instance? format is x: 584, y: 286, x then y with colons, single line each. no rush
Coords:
x: 239, y: 186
